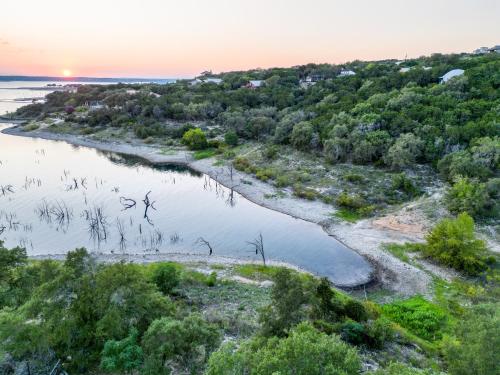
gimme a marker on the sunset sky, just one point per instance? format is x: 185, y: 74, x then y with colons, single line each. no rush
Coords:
x: 167, y: 38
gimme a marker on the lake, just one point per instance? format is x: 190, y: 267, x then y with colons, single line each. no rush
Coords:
x: 55, y: 197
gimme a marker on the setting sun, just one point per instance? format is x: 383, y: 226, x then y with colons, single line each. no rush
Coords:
x: 66, y: 73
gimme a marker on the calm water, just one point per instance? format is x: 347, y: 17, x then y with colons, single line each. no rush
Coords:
x: 55, y: 197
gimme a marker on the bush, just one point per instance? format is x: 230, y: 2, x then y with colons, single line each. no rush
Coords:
x: 288, y: 296
x: 474, y: 350
x: 195, y: 139
x: 419, y: 316
x: 185, y: 344
x: 452, y: 242
x: 469, y: 196
x: 304, y: 351
x: 231, y: 138
x: 352, y: 202
x: 396, y: 368
x: 122, y: 356
x: 271, y: 152
x: 353, y: 333
x: 302, y: 135
x: 166, y: 277
x: 305, y: 193
x: 402, y: 183
x: 212, y: 279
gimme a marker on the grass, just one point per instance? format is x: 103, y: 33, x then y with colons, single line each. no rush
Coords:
x: 401, y: 251
x: 348, y: 215
x: 31, y: 127
x: 256, y: 271
x: 203, y: 154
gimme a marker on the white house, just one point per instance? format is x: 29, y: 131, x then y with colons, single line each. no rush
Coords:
x: 346, y: 73
x: 254, y: 84
x: 481, y: 51
x: 217, y: 81
x: 404, y: 70
x: 451, y: 74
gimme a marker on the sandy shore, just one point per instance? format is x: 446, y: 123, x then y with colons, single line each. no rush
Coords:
x: 364, y: 237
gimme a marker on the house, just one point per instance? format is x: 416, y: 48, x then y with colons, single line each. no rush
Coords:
x: 495, y: 49
x: 94, y: 105
x: 346, y: 73
x: 481, y: 51
x: 451, y: 74
x: 254, y: 84
x: 131, y: 91
x: 217, y: 81
x: 195, y: 82
x: 404, y: 70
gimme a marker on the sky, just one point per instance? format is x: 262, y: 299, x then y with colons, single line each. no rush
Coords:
x: 181, y: 38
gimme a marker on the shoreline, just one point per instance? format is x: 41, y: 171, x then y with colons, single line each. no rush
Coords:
x: 361, y: 237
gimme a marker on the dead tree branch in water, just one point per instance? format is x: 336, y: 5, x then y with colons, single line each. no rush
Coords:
x: 259, y: 247
x: 121, y: 233
x: 149, y: 204
x: 202, y: 241
x: 6, y: 189
x: 127, y: 203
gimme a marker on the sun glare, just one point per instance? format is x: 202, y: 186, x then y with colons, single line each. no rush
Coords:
x: 66, y: 73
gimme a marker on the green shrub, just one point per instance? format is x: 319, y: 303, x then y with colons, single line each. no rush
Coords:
x: 355, y: 310
x: 474, y: 347
x: 166, y: 277
x: 452, y: 242
x: 396, y: 368
x: 401, y: 182
x: 282, y: 180
x: 271, y: 152
x: 353, y: 177
x: 122, y: 356
x: 422, y: 318
x: 379, y: 332
x: 186, y: 344
x: 305, y: 193
x: 195, y: 139
x: 469, y: 196
x: 352, y: 202
x: 353, y: 332
x: 212, y: 279
x: 203, y: 154
x: 304, y: 351
x: 231, y: 138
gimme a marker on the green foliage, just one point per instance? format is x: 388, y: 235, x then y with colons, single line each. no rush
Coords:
x: 289, y: 296
x: 474, y: 348
x: 400, y: 181
x: 203, y: 154
x: 396, y: 368
x: 195, y: 139
x: 419, y: 316
x: 212, y: 279
x: 302, y: 135
x: 472, y: 197
x: 231, y: 138
x: 166, y: 277
x: 122, y: 356
x: 184, y: 344
x: 452, y: 242
x: 404, y: 152
x: 304, y: 351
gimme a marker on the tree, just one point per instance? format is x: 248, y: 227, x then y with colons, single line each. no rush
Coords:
x: 452, y: 242
x: 474, y: 350
x: 287, y: 308
x: 195, y: 139
x: 302, y: 135
x: 181, y: 344
x: 469, y: 196
x: 404, y: 152
x: 231, y: 138
x: 304, y: 351
x: 122, y: 356
x: 166, y: 277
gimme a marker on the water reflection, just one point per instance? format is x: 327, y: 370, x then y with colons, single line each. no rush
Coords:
x: 55, y: 197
